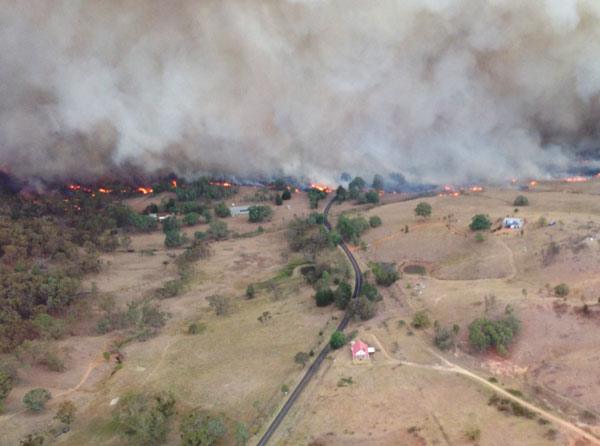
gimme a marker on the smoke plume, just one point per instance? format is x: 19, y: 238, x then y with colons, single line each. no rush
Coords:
x: 439, y: 90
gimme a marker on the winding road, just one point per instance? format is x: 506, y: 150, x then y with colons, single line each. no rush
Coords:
x: 314, y: 367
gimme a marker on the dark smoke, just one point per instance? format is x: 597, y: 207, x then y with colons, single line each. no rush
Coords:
x: 440, y: 90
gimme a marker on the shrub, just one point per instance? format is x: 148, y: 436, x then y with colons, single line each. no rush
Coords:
x: 278, y: 200
x: 191, y: 218
x: 199, y: 429
x: 35, y: 400
x: 342, y: 295
x: 196, y: 328
x: 480, y: 222
x: 257, y: 214
x: 221, y: 304
x: 324, y: 297
x: 443, y: 339
x: 250, y: 291
x: 174, y: 238
x: 423, y: 209
x: 286, y: 195
x: 218, y: 230
x: 32, y: 440
x: 561, y: 289
x: 521, y: 200
x: 374, y: 221
x: 385, y: 273
x: 6, y: 385
x: 337, y: 340
x: 421, y: 320
x: 222, y: 211
x: 170, y: 224
x: 370, y: 291
x: 479, y: 238
x: 314, y: 196
x: 351, y: 228
x: 143, y: 420
x: 301, y: 358
x: 66, y: 412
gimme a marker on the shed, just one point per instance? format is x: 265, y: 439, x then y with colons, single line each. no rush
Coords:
x: 513, y: 223
x: 239, y: 210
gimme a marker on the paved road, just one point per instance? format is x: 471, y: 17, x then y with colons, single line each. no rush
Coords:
x: 314, y: 367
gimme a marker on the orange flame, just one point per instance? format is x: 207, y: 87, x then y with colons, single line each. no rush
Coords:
x: 533, y: 183
x: 476, y: 189
x: 103, y: 190
x: 321, y: 187
x: 577, y: 179
x: 74, y: 187
x: 174, y: 183
x: 221, y: 183
x: 145, y: 190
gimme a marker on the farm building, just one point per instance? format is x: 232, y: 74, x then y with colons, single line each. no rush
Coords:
x: 513, y: 223
x: 360, y: 351
x: 239, y: 210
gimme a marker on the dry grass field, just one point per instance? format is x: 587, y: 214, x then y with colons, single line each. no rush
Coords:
x: 410, y: 393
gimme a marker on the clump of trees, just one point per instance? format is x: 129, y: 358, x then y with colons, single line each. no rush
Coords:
x: 308, y: 235
x: 144, y: 419
x: 174, y: 238
x: 423, y: 209
x: 218, y: 230
x: 324, y: 297
x: 351, y: 228
x: 221, y: 210
x: 480, y: 222
x: 314, y: 196
x: 342, y: 295
x: 259, y: 213
x: 362, y: 308
x: 66, y: 413
x: 385, y: 273
x: 521, y: 200
x: 198, y: 428
x: 445, y: 338
x: 485, y: 334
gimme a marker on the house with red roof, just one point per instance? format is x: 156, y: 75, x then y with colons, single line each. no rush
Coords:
x: 360, y: 351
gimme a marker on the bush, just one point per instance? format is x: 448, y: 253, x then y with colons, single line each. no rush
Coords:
x: 259, y: 213
x: 250, y: 291
x: 342, y: 295
x: 286, y: 195
x: 66, y: 412
x: 143, y: 420
x: 521, y: 200
x: 196, y: 328
x: 337, y: 340
x: 35, y: 400
x: 370, y: 291
x: 199, y: 429
x: 222, y: 211
x: 218, y: 230
x: 479, y: 238
x: 385, y: 273
x: 221, y: 304
x: 443, y: 339
x: 6, y: 385
x: 314, y: 196
x: 170, y: 224
x: 561, y: 289
x: 324, y: 297
x: 374, y: 221
x: 301, y: 358
x: 421, y: 320
x: 278, y: 200
x: 423, y: 209
x: 480, y: 222
x: 191, y: 218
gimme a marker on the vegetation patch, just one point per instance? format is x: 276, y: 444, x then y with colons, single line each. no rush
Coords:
x: 415, y: 269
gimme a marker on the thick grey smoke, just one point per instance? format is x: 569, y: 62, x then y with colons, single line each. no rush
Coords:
x: 440, y: 90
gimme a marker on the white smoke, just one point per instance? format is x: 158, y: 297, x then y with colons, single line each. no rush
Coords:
x: 440, y: 90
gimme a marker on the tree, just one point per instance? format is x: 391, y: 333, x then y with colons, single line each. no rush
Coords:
x: 141, y: 419
x: 443, y: 339
x: 374, y: 221
x: 324, y: 297
x: 337, y: 340
x: 480, y: 222
x: 174, y: 238
x: 241, y: 434
x: 199, y: 429
x: 342, y: 295
x: 170, y: 224
x: 351, y: 228
x: 561, y: 289
x: 385, y: 273
x: 218, y: 230
x: 362, y: 308
x: 191, y: 218
x: 250, y: 291
x: 6, y: 385
x: 259, y: 213
x: 35, y: 400
x: 222, y: 211
x: 278, y: 200
x: 370, y: 291
x: 521, y: 200
x: 377, y: 182
x: 485, y: 333
x: 372, y: 197
x: 423, y: 209
x: 286, y: 195
x: 340, y: 193
x: 355, y: 187
x: 66, y: 413
x: 421, y: 320
x: 314, y: 196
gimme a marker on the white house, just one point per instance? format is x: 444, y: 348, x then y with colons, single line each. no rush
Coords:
x: 513, y: 223
x: 239, y: 210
